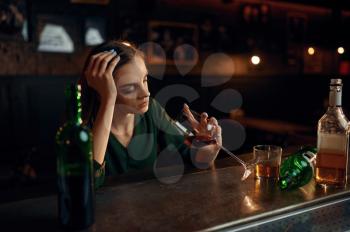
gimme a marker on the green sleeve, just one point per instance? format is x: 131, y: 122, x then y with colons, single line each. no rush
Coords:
x: 168, y: 133
x: 99, y: 174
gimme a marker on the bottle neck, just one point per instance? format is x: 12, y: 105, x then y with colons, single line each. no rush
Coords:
x: 73, y: 103
x: 310, y: 156
x: 335, y: 94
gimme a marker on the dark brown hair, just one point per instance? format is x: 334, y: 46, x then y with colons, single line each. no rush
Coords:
x: 90, y: 98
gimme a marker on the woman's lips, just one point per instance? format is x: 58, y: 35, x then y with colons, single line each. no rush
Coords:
x: 143, y: 104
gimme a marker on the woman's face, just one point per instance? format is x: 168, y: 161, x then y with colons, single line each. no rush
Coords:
x: 132, y: 87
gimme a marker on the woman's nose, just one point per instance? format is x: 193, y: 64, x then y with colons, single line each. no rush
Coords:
x: 144, y: 92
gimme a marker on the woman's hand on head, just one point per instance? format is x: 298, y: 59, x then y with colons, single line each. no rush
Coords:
x: 99, y: 74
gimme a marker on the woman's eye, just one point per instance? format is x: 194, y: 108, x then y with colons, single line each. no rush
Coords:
x: 129, y: 89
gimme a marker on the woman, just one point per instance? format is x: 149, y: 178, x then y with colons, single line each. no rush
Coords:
x: 129, y: 128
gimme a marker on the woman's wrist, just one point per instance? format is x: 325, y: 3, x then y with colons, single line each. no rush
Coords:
x: 207, y: 154
x: 108, y: 100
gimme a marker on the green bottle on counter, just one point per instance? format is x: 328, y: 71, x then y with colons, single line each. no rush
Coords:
x: 298, y: 169
x: 74, y: 166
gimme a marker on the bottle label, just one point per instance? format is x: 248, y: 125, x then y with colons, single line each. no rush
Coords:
x: 335, y: 98
x: 332, y: 151
x: 334, y: 142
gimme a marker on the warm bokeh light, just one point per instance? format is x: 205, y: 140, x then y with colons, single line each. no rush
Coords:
x: 126, y: 43
x: 341, y: 50
x: 255, y: 60
x: 311, y: 51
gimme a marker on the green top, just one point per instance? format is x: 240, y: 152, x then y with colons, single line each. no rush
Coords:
x: 153, y: 134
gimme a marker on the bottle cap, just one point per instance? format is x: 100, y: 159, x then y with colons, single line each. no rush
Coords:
x: 336, y: 81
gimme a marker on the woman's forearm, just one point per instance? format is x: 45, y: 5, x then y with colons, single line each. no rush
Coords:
x: 102, y: 128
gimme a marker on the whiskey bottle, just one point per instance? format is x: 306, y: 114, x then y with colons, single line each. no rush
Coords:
x: 332, y: 141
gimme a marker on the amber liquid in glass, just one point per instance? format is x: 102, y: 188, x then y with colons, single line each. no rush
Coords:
x: 267, y: 170
x: 331, y: 168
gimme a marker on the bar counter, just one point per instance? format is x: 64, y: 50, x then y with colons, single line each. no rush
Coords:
x: 213, y: 199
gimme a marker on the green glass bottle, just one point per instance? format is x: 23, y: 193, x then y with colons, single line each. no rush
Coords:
x: 74, y: 166
x: 297, y: 170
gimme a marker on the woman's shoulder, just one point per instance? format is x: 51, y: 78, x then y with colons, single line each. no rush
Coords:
x: 155, y: 109
x: 154, y: 105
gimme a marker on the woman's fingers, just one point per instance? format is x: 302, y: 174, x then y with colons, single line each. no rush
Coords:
x: 94, y: 63
x: 212, y: 122
x: 98, y: 62
x: 204, y: 126
x: 89, y: 69
x: 90, y: 65
x: 112, y: 65
x: 216, y: 132
x: 194, y: 123
x: 104, y: 62
x: 98, y: 65
x: 204, y: 122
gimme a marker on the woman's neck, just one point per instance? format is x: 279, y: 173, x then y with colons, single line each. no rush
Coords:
x: 123, y: 123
